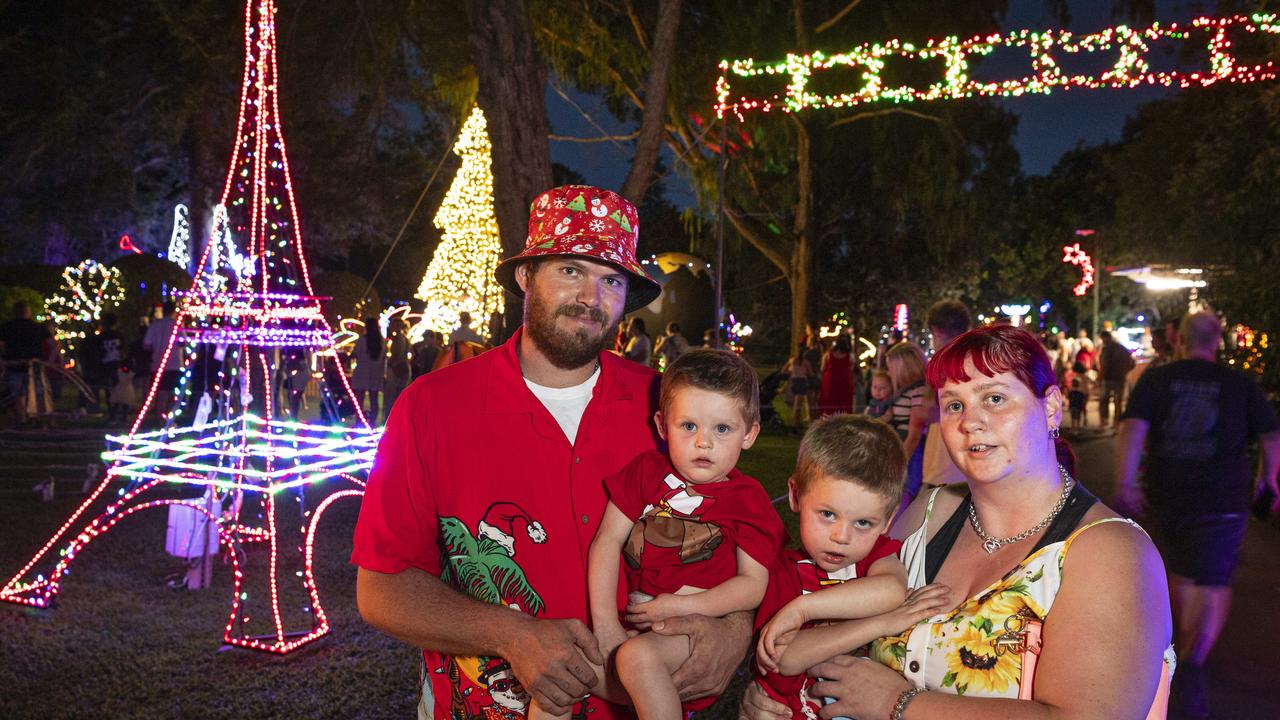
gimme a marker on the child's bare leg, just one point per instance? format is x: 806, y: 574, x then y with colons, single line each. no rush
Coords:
x: 645, y: 664
x: 607, y: 686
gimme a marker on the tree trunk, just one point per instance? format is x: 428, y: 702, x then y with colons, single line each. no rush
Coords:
x: 640, y: 176
x: 804, y: 247
x: 512, y: 88
x: 204, y: 181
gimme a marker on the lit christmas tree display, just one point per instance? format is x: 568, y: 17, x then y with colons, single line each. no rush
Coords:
x: 180, y: 241
x: 460, y: 276
x: 248, y: 331
x: 88, y: 290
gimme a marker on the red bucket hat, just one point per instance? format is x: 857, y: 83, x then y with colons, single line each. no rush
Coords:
x: 584, y: 221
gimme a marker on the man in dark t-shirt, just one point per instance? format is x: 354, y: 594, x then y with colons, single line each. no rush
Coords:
x: 1196, y: 419
x: 23, y: 339
x: 1114, y: 364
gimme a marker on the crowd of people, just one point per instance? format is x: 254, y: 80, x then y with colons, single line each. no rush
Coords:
x: 642, y: 567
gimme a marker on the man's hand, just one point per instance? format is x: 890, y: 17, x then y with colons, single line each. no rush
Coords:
x: 756, y: 705
x: 550, y: 659
x: 717, y: 646
x: 1130, y: 501
x: 1275, y: 494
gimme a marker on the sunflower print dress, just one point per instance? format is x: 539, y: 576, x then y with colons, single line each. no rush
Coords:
x: 955, y: 652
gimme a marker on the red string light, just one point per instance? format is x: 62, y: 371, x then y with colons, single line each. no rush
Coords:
x: 1045, y: 48
x: 244, y: 306
x: 1074, y: 255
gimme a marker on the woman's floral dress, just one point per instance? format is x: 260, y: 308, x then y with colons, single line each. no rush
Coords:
x: 956, y: 651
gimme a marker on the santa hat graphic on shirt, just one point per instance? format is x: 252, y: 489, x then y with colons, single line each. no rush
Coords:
x: 499, y: 525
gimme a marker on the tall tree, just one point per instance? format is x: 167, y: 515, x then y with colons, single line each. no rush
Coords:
x: 512, y: 85
x: 656, y: 89
x: 801, y: 189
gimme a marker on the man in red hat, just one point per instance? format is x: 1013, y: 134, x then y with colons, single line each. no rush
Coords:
x: 487, y: 487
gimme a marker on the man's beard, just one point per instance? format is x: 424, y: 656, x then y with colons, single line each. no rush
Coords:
x: 567, y: 350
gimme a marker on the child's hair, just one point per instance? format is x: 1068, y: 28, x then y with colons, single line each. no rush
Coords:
x: 718, y: 371
x: 905, y: 363
x: 882, y: 374
x: 857, y: 449
x: 1075, y: 383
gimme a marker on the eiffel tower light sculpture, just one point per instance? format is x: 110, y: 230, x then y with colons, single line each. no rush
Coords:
x: 249, y: 317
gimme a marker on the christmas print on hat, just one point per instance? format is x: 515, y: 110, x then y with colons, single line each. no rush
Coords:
x: 588, y: 222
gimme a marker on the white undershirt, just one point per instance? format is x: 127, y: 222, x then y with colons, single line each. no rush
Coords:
x: 566, y: 404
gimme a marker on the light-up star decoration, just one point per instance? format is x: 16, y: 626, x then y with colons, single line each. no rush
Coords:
x: 1075, y: 256
x: 785, y: 85
x: 249, y: 330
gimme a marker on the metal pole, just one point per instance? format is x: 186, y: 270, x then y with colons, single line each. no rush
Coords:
x: 1097, y: 280
x: 719, y: 270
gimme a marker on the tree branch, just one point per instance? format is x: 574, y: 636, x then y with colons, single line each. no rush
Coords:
x: 776, y: 249
x: 837, y: 17
x: 587, y: 55
x: 606, y: 138
x: 640, y: 176
x: 637, y: 27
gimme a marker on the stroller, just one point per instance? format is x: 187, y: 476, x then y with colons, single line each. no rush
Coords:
x: 769, y: 388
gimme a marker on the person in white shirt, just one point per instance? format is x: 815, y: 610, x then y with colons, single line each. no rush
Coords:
x: 639, y: 346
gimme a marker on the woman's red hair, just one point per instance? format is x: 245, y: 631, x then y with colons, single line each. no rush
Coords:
x: 996, y: 349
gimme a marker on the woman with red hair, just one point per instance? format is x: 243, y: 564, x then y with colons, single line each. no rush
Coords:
x: 1021, y: 548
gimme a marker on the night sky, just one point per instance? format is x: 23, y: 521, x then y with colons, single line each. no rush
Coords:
x: 1048, y: 125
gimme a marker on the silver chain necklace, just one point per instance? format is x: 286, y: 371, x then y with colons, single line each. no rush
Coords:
x: 992, y: 544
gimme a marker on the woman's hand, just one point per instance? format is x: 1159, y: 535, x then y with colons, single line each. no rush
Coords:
x: 858, y: 687
x: 778, y: 634
x: 666, y: 605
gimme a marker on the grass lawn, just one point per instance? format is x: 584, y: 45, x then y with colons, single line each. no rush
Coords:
x: 123, y: 645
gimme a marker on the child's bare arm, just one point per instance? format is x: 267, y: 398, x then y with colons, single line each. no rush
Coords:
x: 814, y: 645
x: 882, y: 590
x: 602, y: 576
x: 743, y: 591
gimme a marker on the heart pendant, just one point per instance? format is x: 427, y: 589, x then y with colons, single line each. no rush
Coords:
x: 991, y: 545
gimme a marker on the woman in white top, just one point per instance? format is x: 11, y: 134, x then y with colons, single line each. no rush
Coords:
x: 995, y: 553
x: 639, y: 346
x: 371, y: 368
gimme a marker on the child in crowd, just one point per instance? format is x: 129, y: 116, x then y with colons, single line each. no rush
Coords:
x: 801, y: 374
x: 1078, y: 389
x: 123, y: 398
x: 698, y: 537
x: 881, y: 395
x: 847, y: 483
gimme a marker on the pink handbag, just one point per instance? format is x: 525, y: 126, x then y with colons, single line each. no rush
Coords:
x: 1022, y: 635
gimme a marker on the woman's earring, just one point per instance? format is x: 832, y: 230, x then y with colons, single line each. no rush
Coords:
x: 1054, y: 432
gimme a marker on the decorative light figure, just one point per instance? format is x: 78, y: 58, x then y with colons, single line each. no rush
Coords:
x: 1074, y: 255
x: 88, y: 290
x: 459, y: 277
x: 1131, y: 69
x: 900, y: 317
x: 1016, y: 312
x: 246, y: 315
x: 180, y: 241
